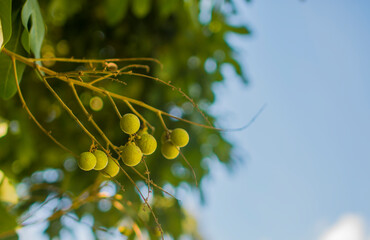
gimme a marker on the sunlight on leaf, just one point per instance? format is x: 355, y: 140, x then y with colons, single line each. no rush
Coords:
x: 31, y: 10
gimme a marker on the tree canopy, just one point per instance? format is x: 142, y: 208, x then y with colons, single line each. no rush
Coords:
x: 173, y: 52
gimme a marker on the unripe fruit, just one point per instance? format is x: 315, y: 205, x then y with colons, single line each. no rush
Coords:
x: 131, y: 154
x: 169, y: 150
x: 129, y: 123
x: 146, y: 143
x: 87, y: 161
x: 179, y: 137
x: 101, y: 160
x: 111, y: 169
x: 112, y: 66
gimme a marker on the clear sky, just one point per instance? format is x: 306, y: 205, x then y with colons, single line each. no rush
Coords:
x: 306, y: 169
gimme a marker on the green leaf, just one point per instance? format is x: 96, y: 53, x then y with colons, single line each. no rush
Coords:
x: 5, y: 21
x: 115, y: 11
x: 141, y: 8
x: 7, y: 221
x: 31, y: 10
x: 193, y: 10
x: 26, y: 40
x: 7, y: 80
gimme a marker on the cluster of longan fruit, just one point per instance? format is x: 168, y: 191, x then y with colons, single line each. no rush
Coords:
x: 172, y: 141
x: 140, y: 143
x: 98, y: 160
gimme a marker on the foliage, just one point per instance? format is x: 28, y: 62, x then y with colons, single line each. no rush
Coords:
x: 192, y: 52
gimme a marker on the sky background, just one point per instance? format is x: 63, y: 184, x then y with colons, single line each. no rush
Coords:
x: 306, y: 169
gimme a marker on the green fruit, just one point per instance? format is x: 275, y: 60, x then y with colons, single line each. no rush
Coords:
x: 87, y: 161
x: 101, y: 160
x: 146, y: 143
x: 131, y: 154
x: 129, y: 123
x: 169, y: 150
x: 112, y: 168
x: 112, y: 66
x: 179, y: 137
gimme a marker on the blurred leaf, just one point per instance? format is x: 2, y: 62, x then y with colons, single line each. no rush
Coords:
x: 7, y: 221
x: 192, y: 7
x: 5, y: 21
x: 239, y: 30
x: 115, y: 11
x: 7, y: 190
x: 141, y: 7
x: 60, y: 10
x: 31, y: 10
x: 168, y: 7
x: 13, y: 236
x: 7, y: 80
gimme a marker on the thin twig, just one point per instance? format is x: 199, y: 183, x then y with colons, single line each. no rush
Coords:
x: 69, y: 111
x: 96, y: 89
x: 162, y: 121
x: 173, y: 88
x: 114, y: 105
x: 90, y: 118
x: 147, y: 172
x: 48, y: 133
x: 191, y: 167
x: 97, y: 60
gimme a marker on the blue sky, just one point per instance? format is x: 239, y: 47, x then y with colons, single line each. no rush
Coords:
x: 307, y: 157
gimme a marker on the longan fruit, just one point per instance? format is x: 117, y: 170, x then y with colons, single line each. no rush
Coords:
x: 146, y: 143
x: 112, y: 66
x: 169, y: 150
x: 179, y: 137
x: 129, y: 123
x: 101, y: 160
x: 112, y: 169
x: 87, y: 161
x: 131, y: 154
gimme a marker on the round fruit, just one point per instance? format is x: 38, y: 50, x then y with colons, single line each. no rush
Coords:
x: 169, y: 150
x: 87, y: 161
x: 146, y: 143
x: 112, y: 66
x: 179, y: 137
x: 111, y: 169
x: 129, y: 123
x: 101, y: 160
x: 131, y: 154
